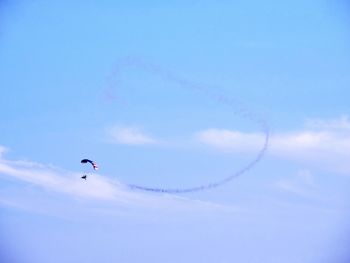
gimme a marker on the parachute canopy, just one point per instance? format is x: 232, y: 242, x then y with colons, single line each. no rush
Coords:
x: 94, y: 165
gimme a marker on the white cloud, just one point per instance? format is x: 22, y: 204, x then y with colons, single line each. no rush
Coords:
x: 129, y: 135
x: 326, y: 145
x: 61, y: 181
x: 96, y: 188
x: 310, y: 144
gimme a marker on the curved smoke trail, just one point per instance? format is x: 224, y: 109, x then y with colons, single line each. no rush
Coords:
x: 236, y: 106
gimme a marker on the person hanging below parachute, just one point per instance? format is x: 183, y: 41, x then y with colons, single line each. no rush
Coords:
x: 94, y: 165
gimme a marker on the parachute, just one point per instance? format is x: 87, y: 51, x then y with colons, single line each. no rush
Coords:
x: 94, y: 165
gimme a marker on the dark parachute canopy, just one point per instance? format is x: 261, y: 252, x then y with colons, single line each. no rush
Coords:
x: 94, y: 165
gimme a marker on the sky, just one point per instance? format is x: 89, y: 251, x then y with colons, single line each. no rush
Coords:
x: 174, y: 95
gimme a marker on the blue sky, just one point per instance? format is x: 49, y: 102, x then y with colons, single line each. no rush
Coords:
x: 135, y: 86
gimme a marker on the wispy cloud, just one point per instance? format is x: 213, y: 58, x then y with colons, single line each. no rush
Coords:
x: 129, y: 135
x: 61, y: 181
x: 325, y: 143
x: 97, y: 188
x: 311, y: 144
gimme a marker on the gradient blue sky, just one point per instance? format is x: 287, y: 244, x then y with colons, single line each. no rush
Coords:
x: 100, y: 81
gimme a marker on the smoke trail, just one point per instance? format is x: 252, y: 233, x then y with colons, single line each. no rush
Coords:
x: 235, y: 105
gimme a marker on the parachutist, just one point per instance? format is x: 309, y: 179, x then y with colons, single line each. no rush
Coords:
x: 94, y: 165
